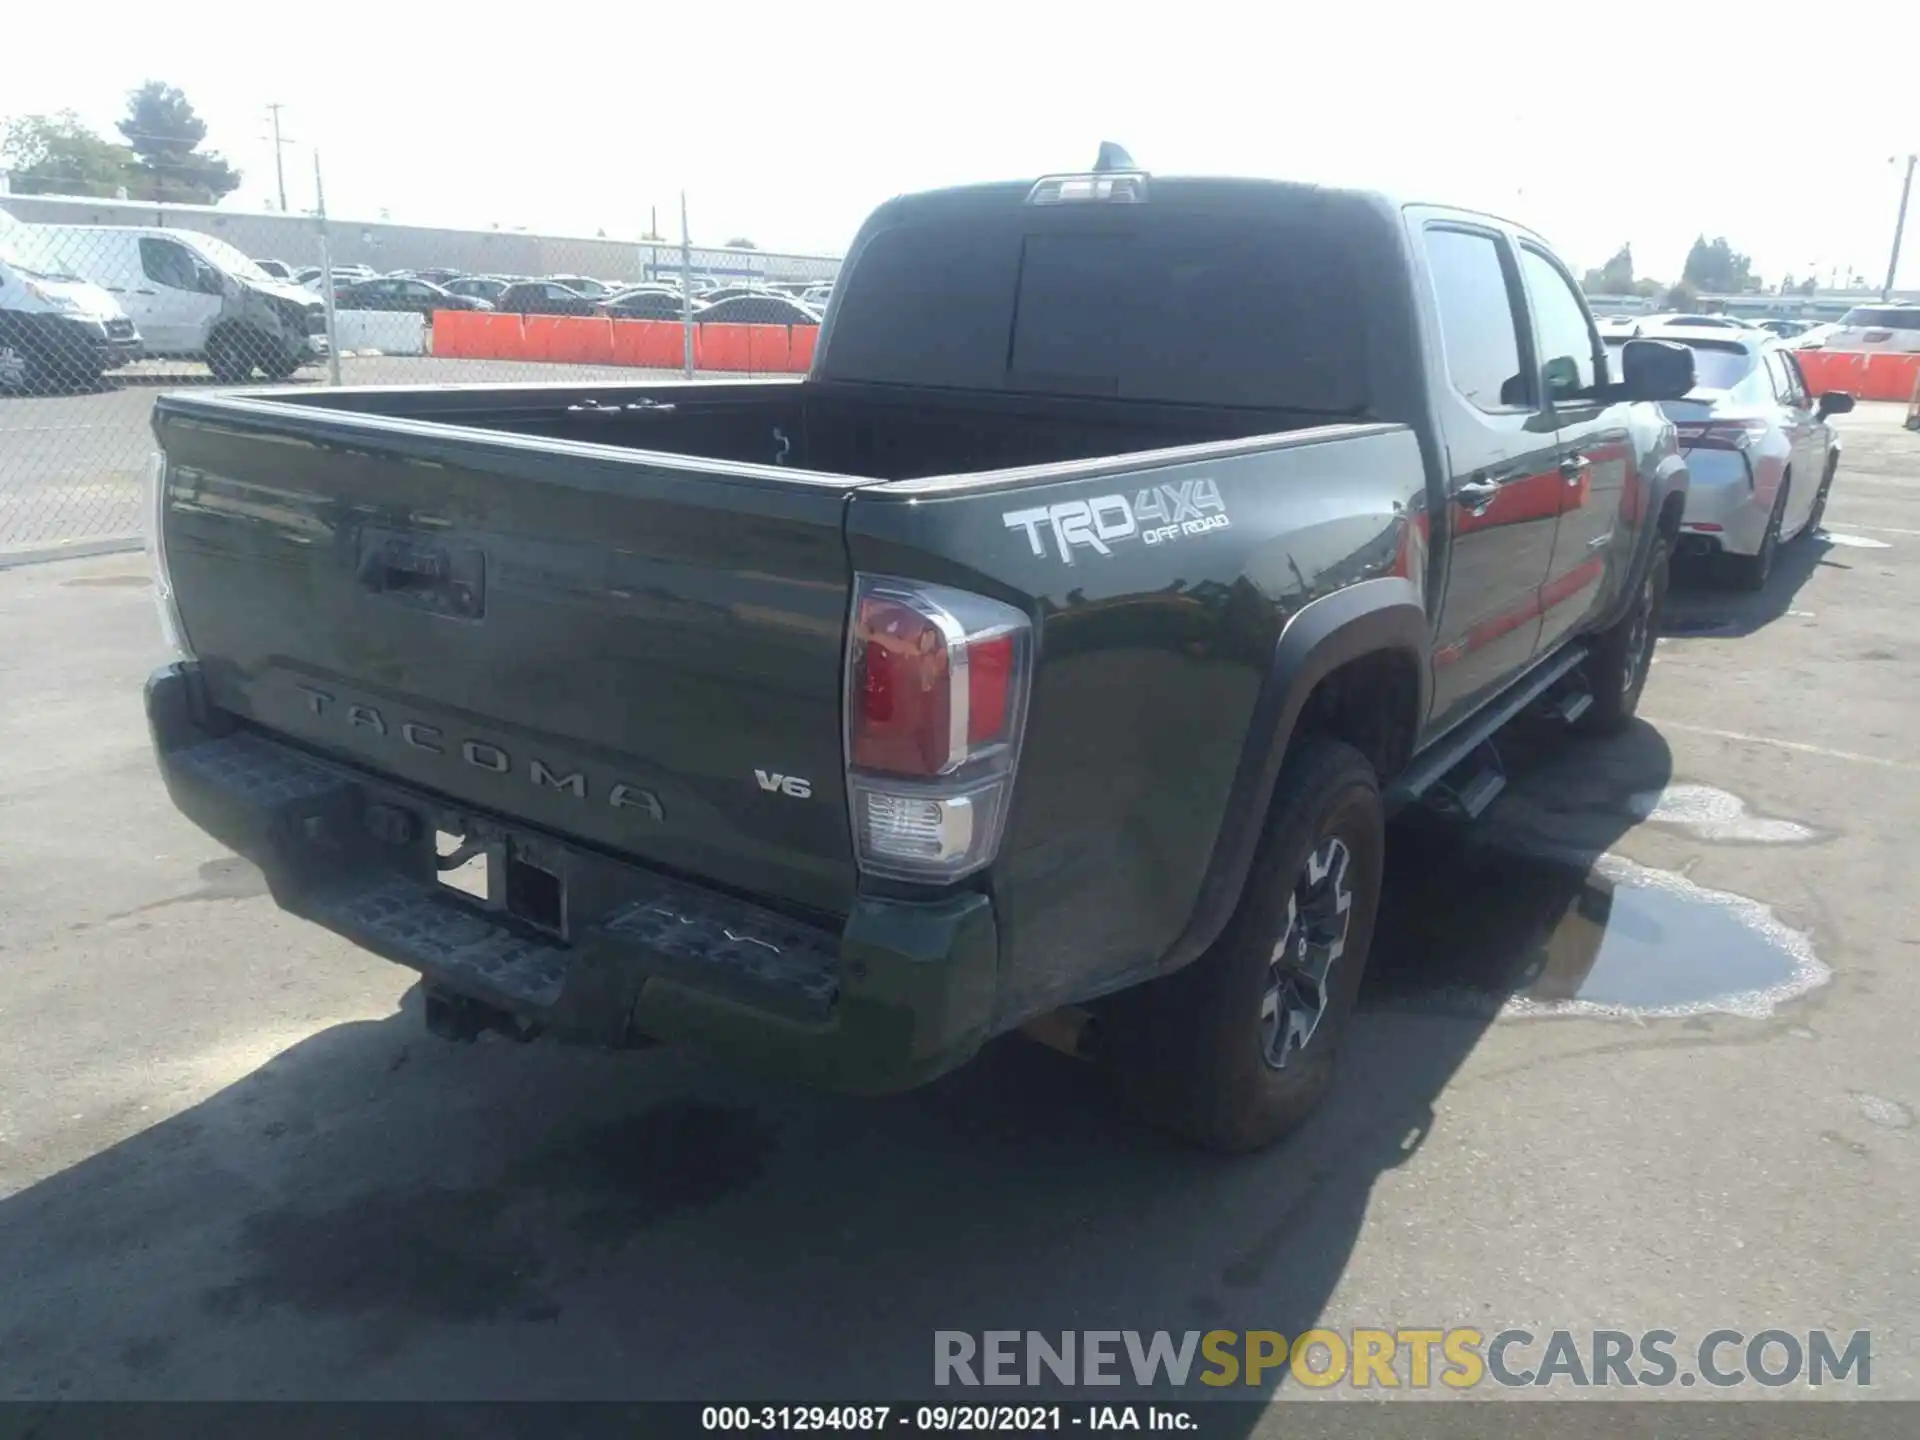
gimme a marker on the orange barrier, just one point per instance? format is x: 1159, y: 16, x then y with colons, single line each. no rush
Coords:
x: 1865, y: 375
x: 601, y: 340
x: 800, y: 343
x: 655, y: 344
x: 475, y: 335
x: 767, y: 348
x: 1913, y: 405
x: 568, y: 339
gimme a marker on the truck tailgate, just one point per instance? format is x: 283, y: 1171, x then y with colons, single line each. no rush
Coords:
x: 638, y: 652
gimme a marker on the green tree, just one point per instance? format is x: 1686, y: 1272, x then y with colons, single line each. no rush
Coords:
x: 165, y: 135
x: 1682, y: 297
x: 1613, y: 278
x: 1808, y: 285
x: 1715, y: 267
x: 58, y: 155
x: 740, y: 242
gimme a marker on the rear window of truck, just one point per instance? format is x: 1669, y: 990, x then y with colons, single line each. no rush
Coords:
x: 1173, y: 307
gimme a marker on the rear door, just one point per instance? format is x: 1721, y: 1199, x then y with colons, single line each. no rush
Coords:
x: 1806, y: 438
x: 1501, y: 452
x: 1594, y: 455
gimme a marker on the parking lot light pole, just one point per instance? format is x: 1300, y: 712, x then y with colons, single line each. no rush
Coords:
x: 1899, y: 229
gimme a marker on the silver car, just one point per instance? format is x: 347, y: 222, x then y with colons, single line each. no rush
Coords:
x: 1760, y: 452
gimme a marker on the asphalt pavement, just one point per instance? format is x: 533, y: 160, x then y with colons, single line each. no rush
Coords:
x: 1635, y: 1053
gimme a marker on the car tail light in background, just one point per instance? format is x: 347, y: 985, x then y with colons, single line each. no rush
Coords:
x: 1720, y: 434
x: 936, y: 702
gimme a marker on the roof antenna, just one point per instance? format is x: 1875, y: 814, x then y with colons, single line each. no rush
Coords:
x: 1112, y: 157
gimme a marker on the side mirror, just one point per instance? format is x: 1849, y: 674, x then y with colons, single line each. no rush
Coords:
x: 1655, y: 370
x: 1835, y: 402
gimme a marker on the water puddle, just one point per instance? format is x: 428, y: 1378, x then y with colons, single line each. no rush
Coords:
x: 1709, y: 813
x: 1489, y: 930
x: 1853, y: 542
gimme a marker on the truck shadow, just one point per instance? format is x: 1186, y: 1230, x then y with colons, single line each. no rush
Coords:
x: 1702, y: 603
x: 372, y: 1213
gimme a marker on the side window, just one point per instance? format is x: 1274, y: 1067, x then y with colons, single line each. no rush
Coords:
x: 169, y: 264
x: 416, y: 291
x: 1479, y: 332
x: 1777, y: 374
x: 1566, y: 337
x: 559, y: 292
x: 1797, y: 382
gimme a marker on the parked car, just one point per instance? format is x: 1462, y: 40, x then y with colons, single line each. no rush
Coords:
x: 583, y: 285
x: 1876, y: 328
x: 1783, y: 329
x: 765, y: 308
x: 415, y: 296
x: 779, y: 790
x: 1650, y: 323
x: 56, y: 330
x: 1761, y: 455
x: 276, y: 268
x: 1815, y: 337
x: 312, y: 275
x: 478, y: 287
x: 193, y: 296
x: 543, y: 297
x: 655, y: 303
x: 815, y: 297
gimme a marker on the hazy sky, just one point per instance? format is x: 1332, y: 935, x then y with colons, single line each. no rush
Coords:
x: 1594, y: 123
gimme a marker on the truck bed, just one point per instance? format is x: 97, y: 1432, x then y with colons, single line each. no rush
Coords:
x: 873, y: 432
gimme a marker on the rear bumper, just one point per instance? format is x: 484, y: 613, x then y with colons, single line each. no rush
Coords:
x: 1723, y: 507
x: 900, y: 994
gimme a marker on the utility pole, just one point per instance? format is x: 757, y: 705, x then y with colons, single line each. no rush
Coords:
x: 279, y: 170
x: 1899, y: 228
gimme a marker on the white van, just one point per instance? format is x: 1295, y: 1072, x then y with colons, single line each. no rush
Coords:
x: 195, y: 297
x: 55, y: 330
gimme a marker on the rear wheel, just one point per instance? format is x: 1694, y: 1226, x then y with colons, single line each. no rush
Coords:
x: 1820, y: 500
x: 1750, y: 572
x: 1234, y: 1051
x: 1623, y: 655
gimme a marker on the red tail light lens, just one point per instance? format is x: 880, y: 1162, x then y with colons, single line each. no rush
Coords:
x: 902, y: 722
x: 936, y: 699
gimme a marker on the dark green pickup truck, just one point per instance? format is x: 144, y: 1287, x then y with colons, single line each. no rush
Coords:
x: 1060, y: 644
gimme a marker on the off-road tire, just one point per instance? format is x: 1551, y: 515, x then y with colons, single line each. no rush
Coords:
x: 1190, y: 1052
x: 1622, y: 655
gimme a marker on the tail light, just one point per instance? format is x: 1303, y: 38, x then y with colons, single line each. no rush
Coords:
x: 936, y: 702
x: 1721, y: 434
x: 172, y: 633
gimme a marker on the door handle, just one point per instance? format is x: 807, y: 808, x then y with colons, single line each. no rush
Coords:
x: 1476, y: 495
x: 1573, y: 467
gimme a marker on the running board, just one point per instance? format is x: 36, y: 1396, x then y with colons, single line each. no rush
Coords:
x: 1428, y: 769
x: 1465, y: 792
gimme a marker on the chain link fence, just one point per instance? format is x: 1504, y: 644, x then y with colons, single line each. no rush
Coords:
x: 105, y: 304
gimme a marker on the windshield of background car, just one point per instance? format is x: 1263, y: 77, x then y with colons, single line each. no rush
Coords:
x: 1719, y: 367
x: 224, y: 257
x: 1132, y: 302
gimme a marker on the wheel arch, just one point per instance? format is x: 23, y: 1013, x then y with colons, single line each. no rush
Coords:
x: 1350, y: 666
